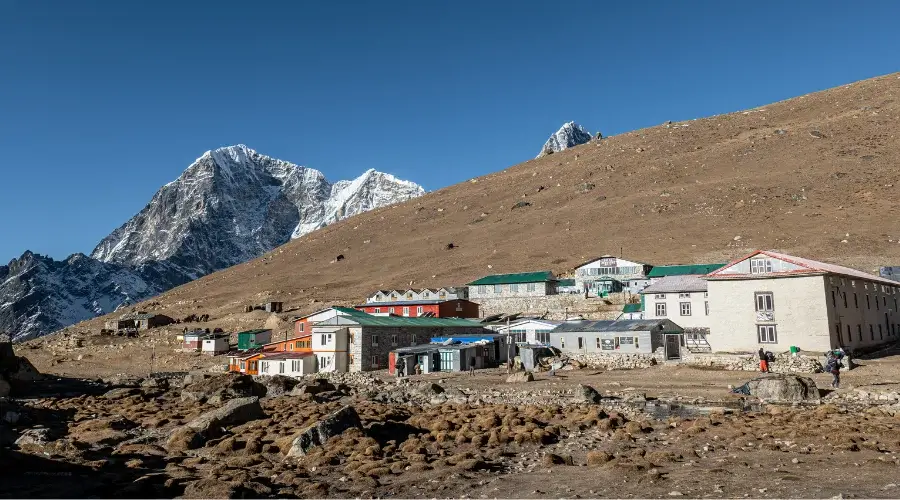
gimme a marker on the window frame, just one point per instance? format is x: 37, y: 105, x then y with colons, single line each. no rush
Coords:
x: 664, y: 313
x: 770, y: 332
x: 760, y: 265
x: 684, y: 306
x: 756, y: 301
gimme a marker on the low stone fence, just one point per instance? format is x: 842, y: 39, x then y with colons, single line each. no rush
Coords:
x: 784, y: 362
x: 615, y: 361
x: 555, y: 306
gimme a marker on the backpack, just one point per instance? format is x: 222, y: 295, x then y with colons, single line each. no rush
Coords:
x: 770, y: 358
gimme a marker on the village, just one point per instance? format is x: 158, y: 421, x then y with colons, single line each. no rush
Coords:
x: 610, y: 313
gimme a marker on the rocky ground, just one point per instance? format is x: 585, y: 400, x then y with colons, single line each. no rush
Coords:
x: 664, y: 431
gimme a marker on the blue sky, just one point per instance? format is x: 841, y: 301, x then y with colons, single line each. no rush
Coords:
x: 103, y: 102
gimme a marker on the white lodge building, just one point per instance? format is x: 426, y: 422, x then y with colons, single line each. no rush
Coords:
x: 611, y: 274
x: 775, y: 301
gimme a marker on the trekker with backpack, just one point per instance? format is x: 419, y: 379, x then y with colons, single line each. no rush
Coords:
x: 833, y: 367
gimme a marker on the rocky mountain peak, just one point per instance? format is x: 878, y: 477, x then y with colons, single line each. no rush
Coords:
x: 569, y: 135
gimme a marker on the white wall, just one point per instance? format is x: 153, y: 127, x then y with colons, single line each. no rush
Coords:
x: 697, y: 300
x: 211, y: 346
x: 512, y: 290
x: 329, y: 345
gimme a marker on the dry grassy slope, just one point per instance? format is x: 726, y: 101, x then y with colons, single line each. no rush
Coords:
x: 665, y: 194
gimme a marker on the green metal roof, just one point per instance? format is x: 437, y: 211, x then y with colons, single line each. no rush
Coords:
x: 348, y: 310
x: 567, y: 282
x: 502, y: 279
x: 682, y: 270
x: 253, y: 332
x: 631, y: 308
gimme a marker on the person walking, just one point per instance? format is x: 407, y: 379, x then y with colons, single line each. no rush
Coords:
x: 472, y: 366
x: 763, y: 361
x: 834, y: 368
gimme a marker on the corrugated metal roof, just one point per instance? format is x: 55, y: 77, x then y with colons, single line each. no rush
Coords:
x: 672, y: 284
x: 364, y: 319
x: 624, y: 325
x: 503, y: 279
x: 683, y: 269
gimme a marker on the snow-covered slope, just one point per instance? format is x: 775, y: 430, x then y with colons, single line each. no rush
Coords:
x: 234, y: 204
x: 40, y: 295
x: 229, y: 206
x: 569, y: 135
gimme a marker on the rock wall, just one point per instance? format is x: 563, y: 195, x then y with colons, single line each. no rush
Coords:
x: 784, y: 362
x: 555, y: 306
x: 616, y: 361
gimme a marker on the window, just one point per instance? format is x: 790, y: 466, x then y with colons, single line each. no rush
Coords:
x: 706, y: 305
x: 264, y: 367
x: 766, y: 334
x: 877, y: 308
x: 377, y: 310
x: 406, y: 311
x: 637, y: 344
x: 880, y: 333
x: 705, y: 295
x: 660, y: 296
x: 855, y: 300
x: 844, y: 295
x: 543, y: 337
x: 684, y: 295
x: 301, y: 327
x: 482, y: 289
x: 884, y: 301
x: 243, y: 365
x: 760, y: 266
x: 297, y: 344
x: 409, y: 296
x: 419, y: 311
x: 531, y: 287
x: 323, y: 339
x: 394, y: 297
x: 581, y: 342
x: 296, y: 365
x: 498, y: 288
x: 765, y: 302
x: 281, y: 367
x: 374, y: 361
x: 849, y: 336
x: 352, y: 338
x: 871, y: 332
x: 859, y: 332
x: 598, y: 342
x: 514, y: 288
x: 661, y: 310
x: 427, y: 295
x: 391, y: 310
x: 374, y: 339
x: 833, y: 299
x: 868, y: 303
x: 685, y: 308
x: 393, y: 340
x: 290, y: 346
x: 562, y: 342
x: 442, y: 295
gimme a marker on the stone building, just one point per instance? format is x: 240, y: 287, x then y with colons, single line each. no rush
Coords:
x: 775, y: 301
x: 497, y: 286
x: 362, y: 342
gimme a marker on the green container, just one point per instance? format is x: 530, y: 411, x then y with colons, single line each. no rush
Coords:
x: 794, y: 349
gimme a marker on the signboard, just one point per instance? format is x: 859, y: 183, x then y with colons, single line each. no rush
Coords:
x: 626, y: 340
x: 765, y: 316
x: 607, y: 345
x: 607, y: 262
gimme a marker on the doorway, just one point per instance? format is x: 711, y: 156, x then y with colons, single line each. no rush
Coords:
x: 673, y: 347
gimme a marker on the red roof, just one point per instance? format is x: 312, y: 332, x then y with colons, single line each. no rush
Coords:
x: 809, y: 267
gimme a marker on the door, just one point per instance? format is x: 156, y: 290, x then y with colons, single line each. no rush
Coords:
x: 436, y: 362
x: 580, y: 343
x: 673, y: 347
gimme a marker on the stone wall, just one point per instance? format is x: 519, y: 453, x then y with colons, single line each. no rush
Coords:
x: 616, y: 361
x: 554, y: 306
x: 784, y: 362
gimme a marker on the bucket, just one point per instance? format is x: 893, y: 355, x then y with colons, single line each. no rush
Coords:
x: 794, y: 349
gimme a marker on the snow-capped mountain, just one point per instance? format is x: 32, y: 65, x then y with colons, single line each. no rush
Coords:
x: 569, y: 135
x: 40, y: 295
x: 229, y: 206
x: 234, y: 204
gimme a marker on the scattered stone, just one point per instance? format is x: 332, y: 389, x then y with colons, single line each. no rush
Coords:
x: 37, y: 437
x: 521, y: 204
x: 816, y: 134
x: 588, y: 394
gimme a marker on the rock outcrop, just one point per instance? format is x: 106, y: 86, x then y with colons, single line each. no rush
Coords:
x: 569, y: 135
x: 317, y: 434
x: 784, y: 389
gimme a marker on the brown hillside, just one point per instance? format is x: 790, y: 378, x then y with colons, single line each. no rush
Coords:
x: 796, y: 176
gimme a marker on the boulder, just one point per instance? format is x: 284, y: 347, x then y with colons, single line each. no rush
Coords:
x: 430, y: 389
x: 784, y: 389
x: 520, y: 377
x: 214, y: 488
x: 333, y: 424
x: 234, y: 412
x: 314, y: 386
x: 277, y: 385
x: 4, y: 388
x: 121, y: 392
x: 224, y: 386
x: 25, y: 372
x: 38, y: 437
x: 588, y: 394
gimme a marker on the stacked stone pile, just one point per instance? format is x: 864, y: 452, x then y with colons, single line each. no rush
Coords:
x: 784, y: 362
x: 615, y: 361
